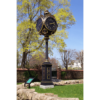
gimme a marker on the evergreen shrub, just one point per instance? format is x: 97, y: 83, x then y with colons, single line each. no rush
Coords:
x: 63, y: 74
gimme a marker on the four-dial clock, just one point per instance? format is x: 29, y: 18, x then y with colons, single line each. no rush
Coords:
x: 51, y: 24
x: 39, y: 24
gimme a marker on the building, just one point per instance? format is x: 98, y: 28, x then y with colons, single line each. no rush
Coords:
x: 77, y: 64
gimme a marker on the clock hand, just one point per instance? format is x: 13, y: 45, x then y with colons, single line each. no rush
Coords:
x: 40, y: 24
x: 52, y: 23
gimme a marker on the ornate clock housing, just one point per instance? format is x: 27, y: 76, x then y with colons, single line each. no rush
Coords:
x: 51, y: 24
x: 46, y: 25
x: 39, y: 24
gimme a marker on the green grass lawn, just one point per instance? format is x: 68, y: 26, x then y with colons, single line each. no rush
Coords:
x: 69, y: 91
x: 81, y: 91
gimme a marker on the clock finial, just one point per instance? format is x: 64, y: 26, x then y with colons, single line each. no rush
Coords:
x: 46, y: 13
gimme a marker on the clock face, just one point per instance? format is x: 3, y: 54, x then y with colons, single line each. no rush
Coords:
x: 39, y: 24
x: 51, y: 24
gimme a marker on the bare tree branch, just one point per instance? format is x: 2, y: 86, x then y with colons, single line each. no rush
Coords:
x: 67, y: 56
x: 56, y: 8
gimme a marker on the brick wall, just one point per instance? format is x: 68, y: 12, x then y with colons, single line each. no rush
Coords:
x: 81, y: 74
x: 20, y: 72
x: 70, y: 74
x: 58, y: 73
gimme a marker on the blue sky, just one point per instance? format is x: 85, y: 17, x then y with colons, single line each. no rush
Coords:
x: 75, y: 33
x: 85, y: 34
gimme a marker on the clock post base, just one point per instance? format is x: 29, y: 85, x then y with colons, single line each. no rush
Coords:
x: 46, y: 86
x: 46, y: 75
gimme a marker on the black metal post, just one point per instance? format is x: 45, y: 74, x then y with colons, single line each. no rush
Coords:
x: 29, y: 85
x: 46, y: 68
x: 46, y: 31
x: 47, y: 49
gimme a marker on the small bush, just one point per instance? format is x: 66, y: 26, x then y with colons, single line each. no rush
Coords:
x: 63, y: 74
x: 29, y: 74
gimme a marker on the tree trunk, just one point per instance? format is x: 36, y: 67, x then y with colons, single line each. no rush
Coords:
x: 66, y: 64
x: 68, y: 72
x: 23, y: 59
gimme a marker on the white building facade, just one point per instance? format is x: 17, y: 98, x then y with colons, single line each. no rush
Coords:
x: 76, y: 64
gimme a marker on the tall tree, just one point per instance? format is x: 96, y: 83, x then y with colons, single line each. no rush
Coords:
x: 17, y: 58
x: 29, y: 56
x: 28, y: 39
x: 67, y: 56
x: 58, y: 63
x: 72, y: 62
x: 54, y: 63
x: 79, y: 57
x: 36, y: 62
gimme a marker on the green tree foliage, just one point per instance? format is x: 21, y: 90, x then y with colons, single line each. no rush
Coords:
x: 28, y: 39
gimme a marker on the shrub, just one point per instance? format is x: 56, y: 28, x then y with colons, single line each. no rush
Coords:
x: 63, y: 74
x: 29, y: 74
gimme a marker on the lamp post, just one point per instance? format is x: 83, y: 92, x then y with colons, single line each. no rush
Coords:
x: 46, y: 25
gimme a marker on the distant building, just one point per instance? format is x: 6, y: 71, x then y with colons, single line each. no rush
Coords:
x: 77, y: 64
